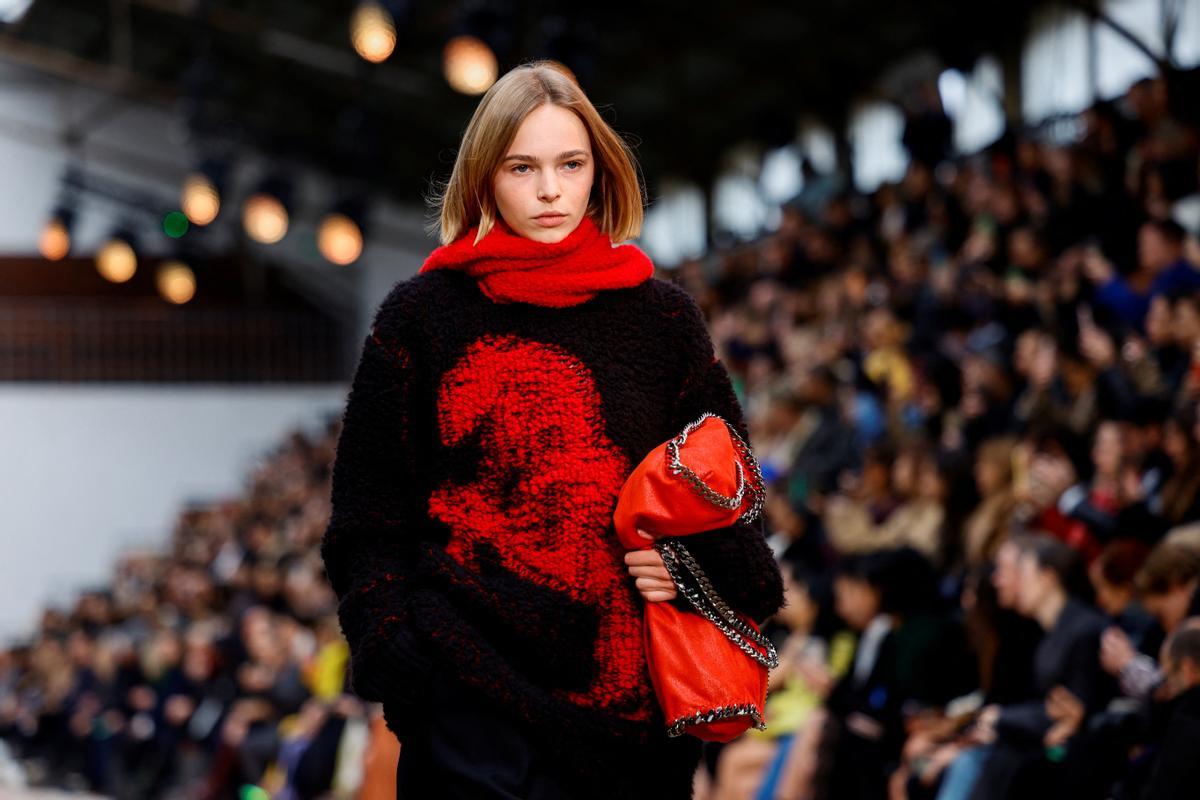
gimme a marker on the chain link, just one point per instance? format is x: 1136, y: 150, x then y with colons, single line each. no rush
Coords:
x: 757, y: 486
x: 704, y: 598
x: 677, y: 726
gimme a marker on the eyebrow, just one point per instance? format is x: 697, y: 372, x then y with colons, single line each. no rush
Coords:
x: 561, y: 156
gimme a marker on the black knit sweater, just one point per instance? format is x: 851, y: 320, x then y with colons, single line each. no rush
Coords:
x: 482, y: 451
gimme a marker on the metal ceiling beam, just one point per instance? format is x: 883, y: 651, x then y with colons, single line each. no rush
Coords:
x: 86, y: 72
x: 289, y: 46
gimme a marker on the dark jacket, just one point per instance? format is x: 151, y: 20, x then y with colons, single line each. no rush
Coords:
x: 1176, y: 774
x: 1067, y: 656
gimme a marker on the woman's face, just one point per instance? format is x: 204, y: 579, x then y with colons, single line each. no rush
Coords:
x: 1034, y: 585
x: 1158, y: 321
x: 548, y: 168
x: 1106, y: 450
x: 1186, y: 324
x: 855, y: 600
x: 799, y: 611
x: 1175, y: 443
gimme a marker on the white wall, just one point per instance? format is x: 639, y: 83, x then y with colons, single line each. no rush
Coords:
x: 90, y: 470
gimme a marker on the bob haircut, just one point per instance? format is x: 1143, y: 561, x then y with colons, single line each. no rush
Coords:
x: 617, y: 196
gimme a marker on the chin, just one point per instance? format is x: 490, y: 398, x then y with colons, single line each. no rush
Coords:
x: 548, y: 235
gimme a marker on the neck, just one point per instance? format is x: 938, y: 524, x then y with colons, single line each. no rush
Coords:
x: 1048, y: 613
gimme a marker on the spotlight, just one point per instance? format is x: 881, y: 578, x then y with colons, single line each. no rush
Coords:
x: 55, y: 240
x: 372, y: 31
x: 469, y: 65
x: 176, y: 282
x: 265, y: 214
x: 117, y: 261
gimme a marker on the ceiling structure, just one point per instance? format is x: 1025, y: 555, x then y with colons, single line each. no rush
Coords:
x: 682, y: 81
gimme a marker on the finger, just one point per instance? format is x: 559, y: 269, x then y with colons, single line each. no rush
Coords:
x: 643, y: 558
x: 654, y: 583
x: 650, y: 572
x: 658, y: 597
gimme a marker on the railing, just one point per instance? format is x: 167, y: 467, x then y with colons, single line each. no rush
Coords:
x: 74, y: 340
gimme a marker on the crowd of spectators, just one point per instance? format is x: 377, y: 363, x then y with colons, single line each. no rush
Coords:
x: 214, y: 668
x: 974, y: 395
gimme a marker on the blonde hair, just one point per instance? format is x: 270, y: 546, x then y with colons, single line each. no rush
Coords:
x: 617, y: 197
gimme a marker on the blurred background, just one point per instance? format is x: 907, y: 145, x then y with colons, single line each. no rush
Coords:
x: 948, y: 252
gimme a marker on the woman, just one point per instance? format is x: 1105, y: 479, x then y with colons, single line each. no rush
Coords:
x: 503, y: 395
x: 988, y: 526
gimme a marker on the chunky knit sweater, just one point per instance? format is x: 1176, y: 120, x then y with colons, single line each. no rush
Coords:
x: 482, y: 450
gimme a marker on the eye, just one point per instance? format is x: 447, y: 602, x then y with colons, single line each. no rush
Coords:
x: 578, y: 163
x: 520, y: 166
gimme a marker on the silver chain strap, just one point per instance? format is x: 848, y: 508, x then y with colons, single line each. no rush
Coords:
x: 677, y: 559
x: 720, y: 712
x: 757, y: 487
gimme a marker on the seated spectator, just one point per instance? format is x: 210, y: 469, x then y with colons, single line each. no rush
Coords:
x: 1177, y: 769
x: 1065, y: 660
x: 1112, y: 576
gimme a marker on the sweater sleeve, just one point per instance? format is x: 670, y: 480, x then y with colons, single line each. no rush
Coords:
x: 375, y: 511
x: 737, y: 559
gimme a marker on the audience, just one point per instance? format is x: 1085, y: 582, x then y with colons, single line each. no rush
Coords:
x: 974, y: 393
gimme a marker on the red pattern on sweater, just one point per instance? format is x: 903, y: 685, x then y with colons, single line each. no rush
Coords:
x: 547, y: 468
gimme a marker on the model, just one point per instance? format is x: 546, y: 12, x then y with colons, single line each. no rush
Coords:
x: 503, y: 395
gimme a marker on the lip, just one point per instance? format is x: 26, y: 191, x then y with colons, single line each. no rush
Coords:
x: 550, y: 220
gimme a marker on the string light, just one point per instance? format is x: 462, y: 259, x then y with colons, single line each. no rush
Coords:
x: 339, y: 239
x: 265, y: 218
x: 117, y: 261
x: 54, y: 242
x: 469, y: 65
x: 199, y: 199
x: 176, y: 282
x: 372, y: 32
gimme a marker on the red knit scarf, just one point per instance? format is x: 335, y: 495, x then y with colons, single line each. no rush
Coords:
x: 512, y: 268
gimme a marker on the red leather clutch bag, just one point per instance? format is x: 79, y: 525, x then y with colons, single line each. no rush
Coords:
x: 709, y: 669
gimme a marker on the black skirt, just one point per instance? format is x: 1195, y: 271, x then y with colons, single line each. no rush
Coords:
x: 464, y: 749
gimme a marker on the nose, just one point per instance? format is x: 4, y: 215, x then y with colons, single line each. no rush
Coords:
x: 548, y: 188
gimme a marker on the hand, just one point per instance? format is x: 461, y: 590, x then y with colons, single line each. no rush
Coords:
x: 1116, y: 651
x: 1062, y: 704
x: 816, y: 676
x: 1097, y: 346
x: 1096, y: 267
x: 984, y: 731
x: 1134, y: 349
x: 1050, y: 476
x: 653, y: 580
x: 1067, y: 711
